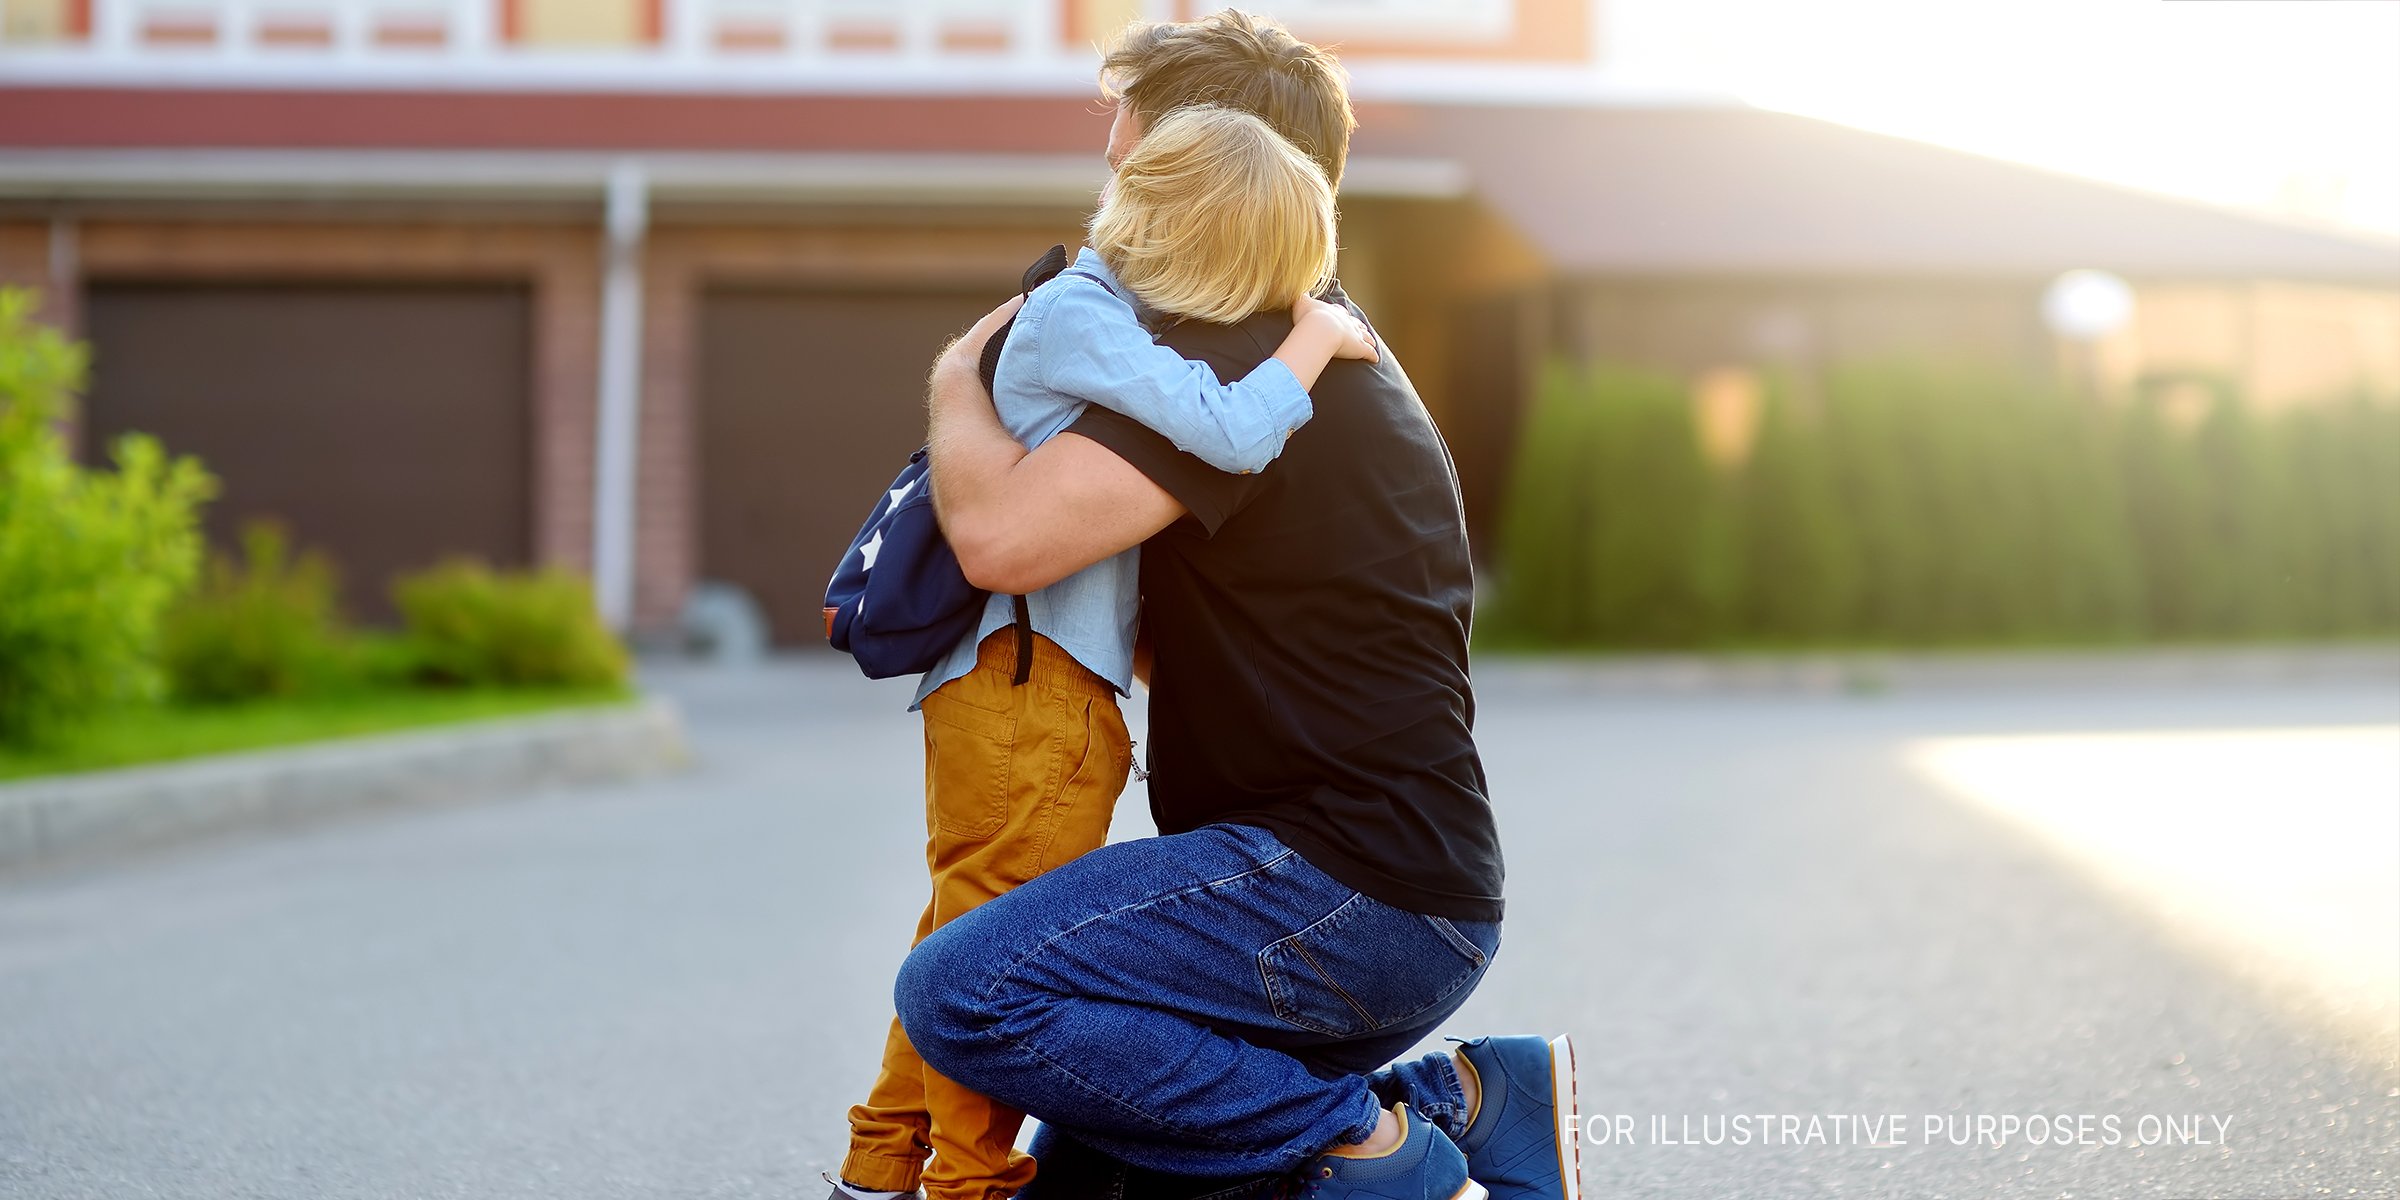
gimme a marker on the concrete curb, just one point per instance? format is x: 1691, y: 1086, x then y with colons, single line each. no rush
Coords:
x: 1870, y: 673
x: 76, y: 816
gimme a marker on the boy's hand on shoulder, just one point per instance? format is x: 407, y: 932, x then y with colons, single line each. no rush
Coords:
x: 1357, y: 340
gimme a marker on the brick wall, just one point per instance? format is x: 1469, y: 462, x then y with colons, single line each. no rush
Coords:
x: 40, y: 254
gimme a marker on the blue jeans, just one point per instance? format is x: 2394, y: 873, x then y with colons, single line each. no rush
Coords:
x: 1187, y: 1015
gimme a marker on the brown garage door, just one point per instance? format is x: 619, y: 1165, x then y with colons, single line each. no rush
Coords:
x: 809, y: 403
x: 387, y: 426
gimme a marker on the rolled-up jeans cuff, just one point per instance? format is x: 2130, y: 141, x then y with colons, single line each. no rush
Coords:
x: 1431, y: 1086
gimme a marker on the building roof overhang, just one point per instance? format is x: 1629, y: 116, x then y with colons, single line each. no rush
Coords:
x: 572, y: 176
x: 1600, y: 187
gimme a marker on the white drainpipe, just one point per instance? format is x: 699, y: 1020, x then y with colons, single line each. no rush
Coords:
x: 620, y: 392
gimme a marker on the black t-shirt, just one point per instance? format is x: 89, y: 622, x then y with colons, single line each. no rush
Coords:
x: 1309, y: 625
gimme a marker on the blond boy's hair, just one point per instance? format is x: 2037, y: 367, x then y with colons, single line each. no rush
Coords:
x: 1215, y: 216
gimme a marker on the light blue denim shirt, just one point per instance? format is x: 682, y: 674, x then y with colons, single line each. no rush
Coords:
x: 1079, y: 341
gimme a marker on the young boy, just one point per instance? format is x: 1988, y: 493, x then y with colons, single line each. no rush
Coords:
x: 1212, y: 216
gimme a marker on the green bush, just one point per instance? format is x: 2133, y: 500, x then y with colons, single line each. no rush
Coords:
x: 469, y: 625
x: 90, y: 560
x: 1792, y: 531
x: 264, y: 626
x: 1913, y: 503
x: 376, y: 659
x: 1546, y: 527
x: 1616, y: 531
x: 1977, y: 508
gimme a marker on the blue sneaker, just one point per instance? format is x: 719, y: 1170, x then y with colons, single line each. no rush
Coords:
x: 1522, y: 1142
x: 1424, y: 1166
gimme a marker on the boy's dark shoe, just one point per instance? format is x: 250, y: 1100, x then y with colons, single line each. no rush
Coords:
x: 843, y: 1193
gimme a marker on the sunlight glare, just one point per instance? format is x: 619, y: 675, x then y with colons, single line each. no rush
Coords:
x: 2276, y: 851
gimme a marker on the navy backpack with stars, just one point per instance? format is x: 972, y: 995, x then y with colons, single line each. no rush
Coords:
x: 899, y: 602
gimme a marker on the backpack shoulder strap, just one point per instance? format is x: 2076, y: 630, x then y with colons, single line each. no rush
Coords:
x: 1024, y: 643
x: 1050, y: 263
x: 1048, y: 267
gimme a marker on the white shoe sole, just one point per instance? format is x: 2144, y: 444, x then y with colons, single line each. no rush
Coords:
x: 1562, y: 1093
x: 1473, y: 1191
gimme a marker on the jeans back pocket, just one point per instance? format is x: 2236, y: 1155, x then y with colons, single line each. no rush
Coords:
x: 1366, y: 966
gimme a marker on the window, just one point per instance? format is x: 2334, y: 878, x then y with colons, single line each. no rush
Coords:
x: 598, y: 23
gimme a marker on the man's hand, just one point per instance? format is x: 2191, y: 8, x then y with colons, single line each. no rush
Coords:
x: 967, y: 351
x: 1020, y: 522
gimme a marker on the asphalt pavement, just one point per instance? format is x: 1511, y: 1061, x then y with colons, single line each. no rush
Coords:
x: 1748, y: 905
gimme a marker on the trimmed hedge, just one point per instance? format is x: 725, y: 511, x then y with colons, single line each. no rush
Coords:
x: 268, y: 626
x: 1913, y: 504
x: 264, y: 626
x: 471, y: 626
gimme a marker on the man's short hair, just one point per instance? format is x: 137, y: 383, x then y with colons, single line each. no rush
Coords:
x: 1240, y: 61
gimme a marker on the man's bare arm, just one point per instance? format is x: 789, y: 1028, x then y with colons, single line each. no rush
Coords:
x: 1020, y: 521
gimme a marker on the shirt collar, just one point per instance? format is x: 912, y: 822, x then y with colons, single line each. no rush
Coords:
x: 1089, y: 260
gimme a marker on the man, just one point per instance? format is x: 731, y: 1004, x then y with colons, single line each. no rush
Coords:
x: 1193, y: 1015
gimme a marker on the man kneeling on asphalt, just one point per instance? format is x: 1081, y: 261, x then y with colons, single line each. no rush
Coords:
x: 1197, y: 1014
